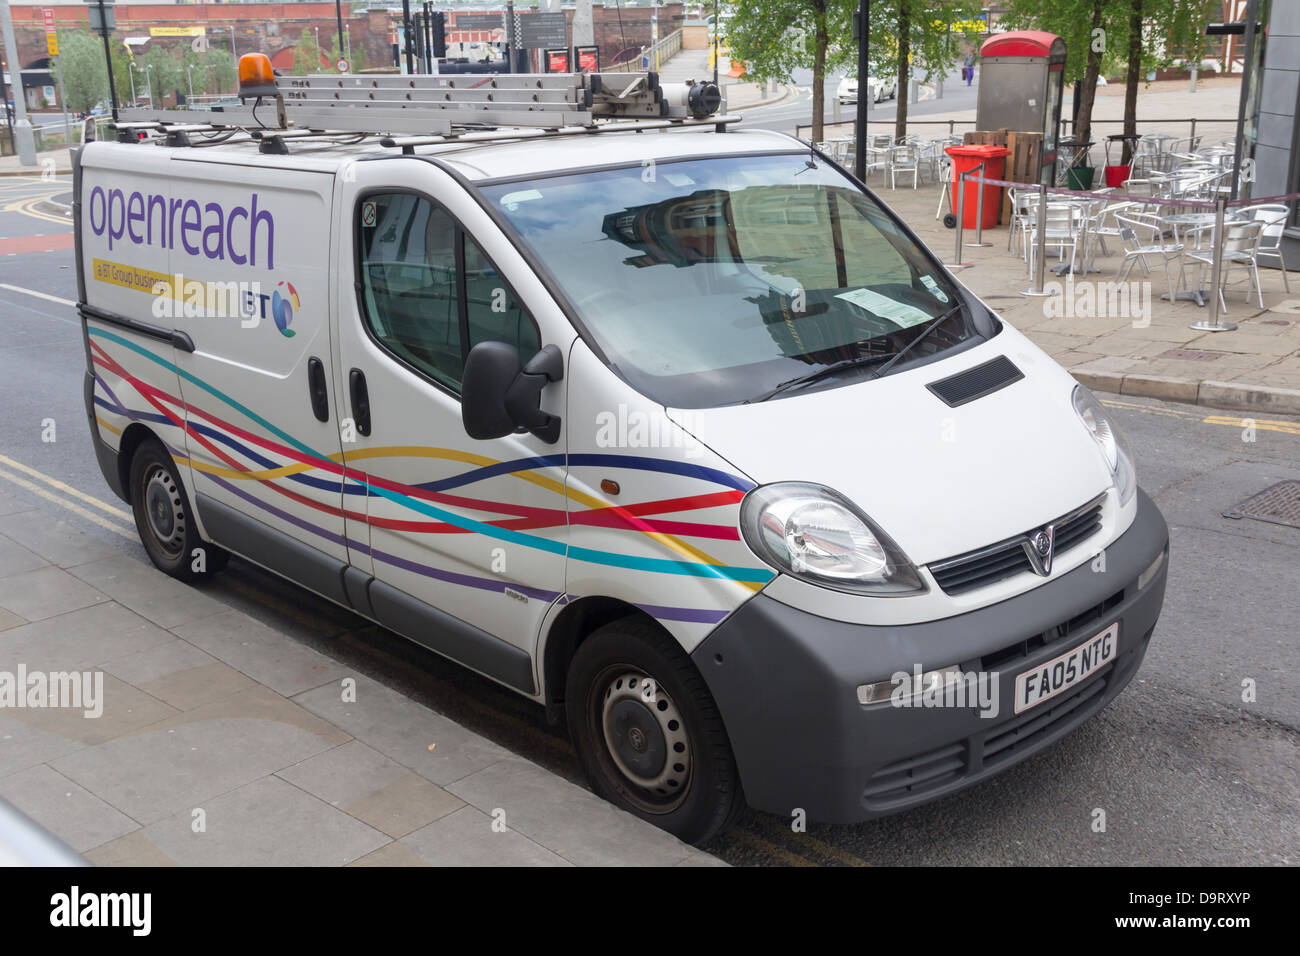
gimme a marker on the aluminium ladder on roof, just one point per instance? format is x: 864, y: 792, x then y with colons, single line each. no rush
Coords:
x: 436, y: 105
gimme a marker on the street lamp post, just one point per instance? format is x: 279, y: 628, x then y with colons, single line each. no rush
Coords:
x: 148, y: 84
x: 130, y: 73
x: 189, y: 75
x: 864, y: 91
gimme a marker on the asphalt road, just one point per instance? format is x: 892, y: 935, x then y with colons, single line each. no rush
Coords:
x: 1187, y: 772
x: 785, y: 114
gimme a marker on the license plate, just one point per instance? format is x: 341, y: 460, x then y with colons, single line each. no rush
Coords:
x: 1061, y: 673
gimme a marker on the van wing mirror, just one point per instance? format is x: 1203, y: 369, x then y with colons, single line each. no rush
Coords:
x: 499, y: 396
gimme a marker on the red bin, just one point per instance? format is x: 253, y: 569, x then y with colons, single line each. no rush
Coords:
x: 966, y: 159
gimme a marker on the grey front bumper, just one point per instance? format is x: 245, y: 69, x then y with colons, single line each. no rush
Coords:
x: 786, y: 684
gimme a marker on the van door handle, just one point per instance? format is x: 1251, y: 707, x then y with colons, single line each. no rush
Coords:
x: 320, y: 399
x: 360, y: 400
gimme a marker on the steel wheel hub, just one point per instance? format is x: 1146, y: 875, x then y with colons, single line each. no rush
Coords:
x: 645, y: 734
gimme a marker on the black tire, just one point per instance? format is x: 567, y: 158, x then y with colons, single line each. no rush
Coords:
x: 950, y: 221
x: 163, y: 517
x: 621, y: 730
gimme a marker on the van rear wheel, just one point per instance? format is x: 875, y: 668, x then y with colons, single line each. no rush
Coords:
x: 648, y: 733
x: 163, y: 517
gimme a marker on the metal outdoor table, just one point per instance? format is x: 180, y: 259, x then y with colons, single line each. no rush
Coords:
x: 1196, y: 221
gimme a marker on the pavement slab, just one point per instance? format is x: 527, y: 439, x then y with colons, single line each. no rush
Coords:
x: 221, y: 741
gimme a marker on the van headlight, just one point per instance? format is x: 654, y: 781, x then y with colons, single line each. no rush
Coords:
x: 1114, y: 449
x: 811, y: 533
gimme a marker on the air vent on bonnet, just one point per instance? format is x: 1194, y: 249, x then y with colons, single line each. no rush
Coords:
x: 976, y: 382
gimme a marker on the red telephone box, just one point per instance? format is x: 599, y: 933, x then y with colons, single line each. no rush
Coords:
x: 1022, y: 77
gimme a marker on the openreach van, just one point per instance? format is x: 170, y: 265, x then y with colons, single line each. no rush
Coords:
x: 672, y: 427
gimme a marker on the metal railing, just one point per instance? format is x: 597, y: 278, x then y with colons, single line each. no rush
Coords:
x: 650, y: 57
x: 1152, y: 125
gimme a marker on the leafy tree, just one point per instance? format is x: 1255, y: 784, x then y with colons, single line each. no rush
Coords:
x: 306, y: 54
x: 916, y: 37
x: 164, y: 72
x: 776, y: 37
x: 1106, y: 37
x: 81, y: 61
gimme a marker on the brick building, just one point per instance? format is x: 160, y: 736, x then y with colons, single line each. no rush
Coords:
x: 274, y: 29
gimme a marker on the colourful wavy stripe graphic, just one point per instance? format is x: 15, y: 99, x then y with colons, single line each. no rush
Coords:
x: 665, y: 613
x: 418, y: 498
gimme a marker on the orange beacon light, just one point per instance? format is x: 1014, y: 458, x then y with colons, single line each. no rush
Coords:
x: 256, y: 77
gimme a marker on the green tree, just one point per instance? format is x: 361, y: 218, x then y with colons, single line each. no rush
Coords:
x: 357, y: 61
x: 917, y: 38
x: 164, y: 72
x: 221, y: 71
x: 306, y: 54
x: 81, y: 63
x: 776, y: 37
x: 1107, y: 37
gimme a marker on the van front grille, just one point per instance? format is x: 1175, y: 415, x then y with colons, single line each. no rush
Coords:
x: 985, y: 566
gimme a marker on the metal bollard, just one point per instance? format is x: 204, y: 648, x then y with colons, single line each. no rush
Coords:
x: 979, y: 213
x: 958, y: 204
x: 1040, y: 247
x: 1212, y: 324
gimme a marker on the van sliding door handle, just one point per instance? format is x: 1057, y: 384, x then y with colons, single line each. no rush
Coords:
x: 320, y: 398
x: 360, y: 400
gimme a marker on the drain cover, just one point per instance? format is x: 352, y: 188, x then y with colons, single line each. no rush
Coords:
x: 1278, y: 504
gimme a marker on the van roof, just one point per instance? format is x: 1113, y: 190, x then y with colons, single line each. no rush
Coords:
x: 536, y: 156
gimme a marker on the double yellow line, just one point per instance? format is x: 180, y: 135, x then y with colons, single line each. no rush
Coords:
x: 1230, y: 421
x: 64, y: 495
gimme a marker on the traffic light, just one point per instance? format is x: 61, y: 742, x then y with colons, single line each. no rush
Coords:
x: 439, y: 34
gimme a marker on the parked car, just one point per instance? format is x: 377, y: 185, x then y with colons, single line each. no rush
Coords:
x: 882, y: 88
x: 719, y: 465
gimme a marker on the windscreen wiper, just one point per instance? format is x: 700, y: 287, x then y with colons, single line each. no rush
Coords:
x: 859, y: 361
x: 908, y: 347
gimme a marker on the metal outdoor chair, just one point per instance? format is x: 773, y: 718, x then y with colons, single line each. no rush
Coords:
x: 1241, y: 241
x: 1274, y: 216
x: 905, y: 159
x: 1062, y: 221
x: 1102, y: 224
x: 1142, y: 236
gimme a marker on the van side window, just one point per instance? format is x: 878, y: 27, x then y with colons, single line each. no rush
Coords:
x: 495, y: 315
x: 429, y: 293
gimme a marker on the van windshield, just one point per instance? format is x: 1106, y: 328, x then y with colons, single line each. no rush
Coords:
x: 734, y: 279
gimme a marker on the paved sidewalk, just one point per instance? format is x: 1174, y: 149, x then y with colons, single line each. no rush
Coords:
x: 224, y: 742
x: 54, y: 162
x: 1256, y: 367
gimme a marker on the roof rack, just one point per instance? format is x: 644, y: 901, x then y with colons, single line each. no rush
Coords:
x: 432, y: 108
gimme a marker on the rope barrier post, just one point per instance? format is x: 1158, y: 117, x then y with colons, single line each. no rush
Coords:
x: 1040, y: 247
x: 979, y: 212
x: 960, y: 205
x: 1212, y: 324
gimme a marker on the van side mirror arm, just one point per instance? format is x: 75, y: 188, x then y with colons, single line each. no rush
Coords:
x: 498, y: 397
x: 524, y: 396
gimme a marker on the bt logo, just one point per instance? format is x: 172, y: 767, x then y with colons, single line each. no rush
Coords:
x: 282, y: 304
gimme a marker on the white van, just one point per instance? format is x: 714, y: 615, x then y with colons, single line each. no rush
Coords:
x: 680, y: 433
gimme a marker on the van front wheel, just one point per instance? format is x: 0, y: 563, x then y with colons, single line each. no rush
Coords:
x: 648, y: 733
x: 164, y: 519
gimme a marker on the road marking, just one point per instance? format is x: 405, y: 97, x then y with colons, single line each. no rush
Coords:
x: 768, y: 847
x: 68, y: 489
x: 1230, y: 421
x: 1260, y: 424
x: 75, y: 508
x: 784, y: 834
x: 40, y: 295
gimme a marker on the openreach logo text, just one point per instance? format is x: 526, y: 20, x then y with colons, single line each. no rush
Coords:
x: 75, y: 908
x: 73, y: 690
x: 209, y: 230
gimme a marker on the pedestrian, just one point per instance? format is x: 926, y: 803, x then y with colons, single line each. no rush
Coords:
x: 968, y: 70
